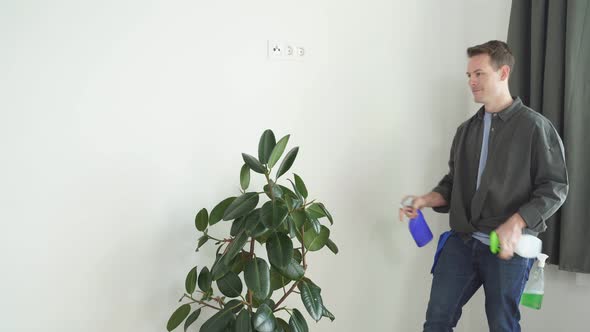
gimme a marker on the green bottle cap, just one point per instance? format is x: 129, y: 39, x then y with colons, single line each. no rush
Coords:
x: 494, y: 243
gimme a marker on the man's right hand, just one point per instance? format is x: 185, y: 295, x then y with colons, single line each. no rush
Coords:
x: 411, y: 210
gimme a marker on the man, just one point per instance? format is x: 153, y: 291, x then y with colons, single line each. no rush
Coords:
x: 507, y: 173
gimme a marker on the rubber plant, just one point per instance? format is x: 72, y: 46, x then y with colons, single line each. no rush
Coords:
x: 284, y: 222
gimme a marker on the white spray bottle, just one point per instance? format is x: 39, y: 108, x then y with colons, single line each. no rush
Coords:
x: 528, y: 246
x: 534, y: 290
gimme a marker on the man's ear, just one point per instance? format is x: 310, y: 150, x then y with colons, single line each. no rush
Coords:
x: 504, y: 72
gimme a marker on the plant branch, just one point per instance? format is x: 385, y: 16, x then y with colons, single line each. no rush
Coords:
x: 212, y: 238
x: 303, y: 251
x: 287, y: 294
x: 307, y: 204
x: 250, y: 304
x: 272, y: 195
x: 200, y: 302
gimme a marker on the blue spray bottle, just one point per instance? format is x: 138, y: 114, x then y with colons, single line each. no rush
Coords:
x: 418, y: 226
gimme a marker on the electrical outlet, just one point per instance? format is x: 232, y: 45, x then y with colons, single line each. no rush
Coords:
x: 275, y: 49
x: 289, y: 50
x: 300, y: 51
x: 282, y: 50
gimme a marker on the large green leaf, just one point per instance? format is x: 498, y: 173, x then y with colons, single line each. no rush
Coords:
x: 311, y: 298
x: 315, y: 224
x: 234, y: 305
x: 314, y: 241
x: 300, y: 197
x: 257, y: 277
x: 299, y: 218
x: 262, y: 238
x: 254, y: 225
x: 218, y: 322
x: 284, y: 227
x: 315, y: 211
x: 291, y: 227
x: 205, y: 280
x: 318, y: 210
x: 253, y: 163
x: 273, y: 214
x: 292, y: 271
x: 237, y: 226
x: 219, y: 268
x: 287, y: 192
x: 332, y: 246
x: 300, y: 223
x: 326, y: 313
x: 266, y: 145
x: 241, y: 206
x: 252, y: 221
x: 202, y: 220
x: 191, y: 319
x: 287, y: 162
x: 273, y: 191
x: 258, y: 302
x: 300, y: 186
x: 230, y: 285
x: 191, y: 281
x: 323, y: 207
x: 277, y: 151
x: 178, y: 316
x: 280, y: 250
x: 297, y: 322
x: 297, y: 255
x: 235, y: 247
x: 277, y: 280
x: 264, y: 320
x: 202, y: 240
x: 259, y: 231
x: 283, y: 326
x: 240, y: 262
x: 288, y: 201
x: 243, y: 322
x: 245, y: 177
x: 219, y: 210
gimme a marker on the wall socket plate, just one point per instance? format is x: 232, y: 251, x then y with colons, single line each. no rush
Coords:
x: 283, y: 50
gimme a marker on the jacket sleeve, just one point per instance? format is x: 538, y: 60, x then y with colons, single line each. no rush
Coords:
x: 445, y: 186
x: 550, y: 179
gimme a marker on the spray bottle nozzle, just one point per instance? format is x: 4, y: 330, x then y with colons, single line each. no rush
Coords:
x: 542, y: 257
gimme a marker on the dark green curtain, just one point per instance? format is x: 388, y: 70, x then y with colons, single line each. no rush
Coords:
x: 551, y: 43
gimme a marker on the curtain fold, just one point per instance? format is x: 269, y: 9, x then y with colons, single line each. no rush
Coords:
x: 550, y: 40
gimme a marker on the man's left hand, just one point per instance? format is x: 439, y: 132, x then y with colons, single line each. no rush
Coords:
x: 509, y: 234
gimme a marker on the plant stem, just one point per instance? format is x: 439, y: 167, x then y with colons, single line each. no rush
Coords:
x: 250, y: 304
x: 303, y: 251
x: 212, y: 238
x: 306, y: 204
x: 272, y: 195
x: 287, y: 294
x: 200, y: 302
x: 283, y: 308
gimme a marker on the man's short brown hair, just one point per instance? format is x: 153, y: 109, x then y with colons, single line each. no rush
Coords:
x: 498, y: 51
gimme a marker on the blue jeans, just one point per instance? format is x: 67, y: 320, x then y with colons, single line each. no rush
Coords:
x: 462, y: 267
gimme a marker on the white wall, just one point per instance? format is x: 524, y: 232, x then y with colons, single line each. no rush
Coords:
x: 121, y: 119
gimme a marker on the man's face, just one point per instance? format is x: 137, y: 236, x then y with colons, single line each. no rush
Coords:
x: 485, y: 82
